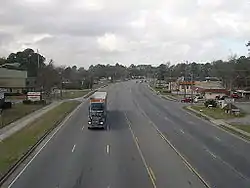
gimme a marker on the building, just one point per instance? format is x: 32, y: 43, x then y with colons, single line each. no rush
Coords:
x: 13, y: 80
x: 182, y: 86
x: 209, y: 89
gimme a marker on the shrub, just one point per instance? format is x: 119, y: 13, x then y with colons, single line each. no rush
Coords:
x: 166, y: 91
x: 7, y: 105
x: 27, y: 102
x: 210, y: 102
x: 43, y: 102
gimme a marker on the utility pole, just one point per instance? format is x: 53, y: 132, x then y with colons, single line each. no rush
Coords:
x: 185, y: 82
x: 192, y: 87
x: 170, y: 87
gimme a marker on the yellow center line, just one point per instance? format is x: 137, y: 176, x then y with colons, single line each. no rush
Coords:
x: 149, y: 170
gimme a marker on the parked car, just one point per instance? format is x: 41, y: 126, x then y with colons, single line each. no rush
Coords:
x: 187, y: 100
x: 221, y: 97
x: 235, y: 96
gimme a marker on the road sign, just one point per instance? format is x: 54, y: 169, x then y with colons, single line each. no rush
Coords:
x: 34, y: 96
x: 229, y: 100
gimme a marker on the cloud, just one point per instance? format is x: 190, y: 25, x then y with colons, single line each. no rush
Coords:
x: 109, y: 31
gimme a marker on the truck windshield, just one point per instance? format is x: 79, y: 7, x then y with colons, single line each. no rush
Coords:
x: 97, y: 106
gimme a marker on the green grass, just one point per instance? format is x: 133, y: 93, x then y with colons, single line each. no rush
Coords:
x: 15, y: 146
x: 16, y: 112
x: 71, y: 94
x: 215, y: 113
x: 245, y: 128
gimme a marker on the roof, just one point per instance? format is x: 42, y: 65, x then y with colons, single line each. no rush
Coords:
x: 209, y: 85
x: 9, y: 73
x: 99, y: 95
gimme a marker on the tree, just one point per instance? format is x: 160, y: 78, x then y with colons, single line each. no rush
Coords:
x: 28, y: 60
x: 2, y: 60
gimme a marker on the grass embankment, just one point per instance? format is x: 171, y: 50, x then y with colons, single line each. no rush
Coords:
x: 15, y: 146
x: 71, y: 94
x: 216, y: 113
x: 16, y: 112
x: 245, y: 128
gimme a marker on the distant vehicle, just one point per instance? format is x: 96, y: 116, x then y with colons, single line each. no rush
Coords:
x: 221, y: 97
x: 187, y: 100
x: 97, y: 110
x: 235, y: 95
x: 198, y: 99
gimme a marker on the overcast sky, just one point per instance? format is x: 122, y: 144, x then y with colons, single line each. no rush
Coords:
x: 85, y: 32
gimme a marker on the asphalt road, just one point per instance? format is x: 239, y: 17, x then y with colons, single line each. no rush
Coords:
x: 135, y: 150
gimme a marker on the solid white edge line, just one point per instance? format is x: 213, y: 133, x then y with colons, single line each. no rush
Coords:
x: 57, y: 129
x: 82, y: 127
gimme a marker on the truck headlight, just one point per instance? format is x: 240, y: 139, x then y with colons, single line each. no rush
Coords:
x: 89, y: 122
x: 101, y: 123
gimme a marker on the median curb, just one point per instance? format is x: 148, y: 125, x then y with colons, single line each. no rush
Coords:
x: 218, y: 122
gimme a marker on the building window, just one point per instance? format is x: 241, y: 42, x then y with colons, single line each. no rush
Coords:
x: 27, y: 83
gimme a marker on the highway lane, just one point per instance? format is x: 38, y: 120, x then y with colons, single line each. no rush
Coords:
x: 129, y: 154
x: 221, y: 159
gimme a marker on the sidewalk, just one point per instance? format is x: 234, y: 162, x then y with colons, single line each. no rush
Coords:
x: 219, y: 122
x: 21, y: 123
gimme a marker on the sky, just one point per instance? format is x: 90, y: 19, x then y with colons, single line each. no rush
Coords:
x: 86, y: 32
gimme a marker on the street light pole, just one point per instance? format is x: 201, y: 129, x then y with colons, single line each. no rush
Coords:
x: 192, y: 87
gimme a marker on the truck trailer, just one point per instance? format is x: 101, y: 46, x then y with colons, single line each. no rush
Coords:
x: 97, y: 110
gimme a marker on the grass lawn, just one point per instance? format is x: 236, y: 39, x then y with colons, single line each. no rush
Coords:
x: 15, y: 146
x: 16, y: 112
x: 245, y: 128
x: 215, y: 113
x: 71, y: 94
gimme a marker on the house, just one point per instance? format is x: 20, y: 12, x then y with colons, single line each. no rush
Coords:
x: 209, y: 89
x: 13, y: 80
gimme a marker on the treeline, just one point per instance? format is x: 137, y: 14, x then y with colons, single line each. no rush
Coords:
x: 235, y: 73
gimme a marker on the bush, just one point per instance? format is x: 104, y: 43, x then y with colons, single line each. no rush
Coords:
x: 7, y: 105
x: 27, y: 102
x: 42, y: 102
x: 166, y: 91
x: 210, y: 102
x: 13, y: 94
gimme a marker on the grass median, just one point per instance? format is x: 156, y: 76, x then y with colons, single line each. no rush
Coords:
x: 16, y: 112
x: 245, y: 128
x: 15, y: 146
x: 71, y: 94
x: 216, y: 113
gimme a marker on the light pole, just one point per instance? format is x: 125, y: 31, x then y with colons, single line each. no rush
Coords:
x: 192, y: 88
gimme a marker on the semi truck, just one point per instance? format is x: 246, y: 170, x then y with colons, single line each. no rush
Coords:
x: 97, y: 110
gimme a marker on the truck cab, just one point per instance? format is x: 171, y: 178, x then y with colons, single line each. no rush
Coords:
x: 97, y: 110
